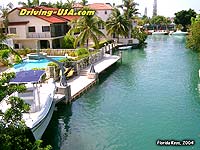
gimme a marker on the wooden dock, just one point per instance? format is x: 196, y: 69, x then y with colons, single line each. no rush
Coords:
x: 81, y: 83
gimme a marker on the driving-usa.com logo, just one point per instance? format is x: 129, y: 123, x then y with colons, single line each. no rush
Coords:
x: 59, y: 12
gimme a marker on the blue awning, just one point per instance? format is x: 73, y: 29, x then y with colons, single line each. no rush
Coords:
x: 30, y: 76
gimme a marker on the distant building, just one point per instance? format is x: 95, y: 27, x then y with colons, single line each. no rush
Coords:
x: 145, y: 11
x: 155, y: 8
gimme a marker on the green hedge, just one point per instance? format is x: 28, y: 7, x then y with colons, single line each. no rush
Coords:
x: 52, y: 64
x: 82, y: 51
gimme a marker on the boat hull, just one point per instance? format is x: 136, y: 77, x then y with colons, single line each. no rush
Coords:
x: 159, y: 33
x: 125, y: 47
x: 40, y: 128
x: 180, y: 33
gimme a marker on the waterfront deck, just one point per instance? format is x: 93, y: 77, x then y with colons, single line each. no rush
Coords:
x: 81, y: 83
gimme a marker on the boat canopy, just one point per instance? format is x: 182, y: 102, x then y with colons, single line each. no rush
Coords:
x: 29, y: 76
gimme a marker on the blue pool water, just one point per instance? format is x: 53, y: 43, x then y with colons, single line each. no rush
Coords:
x: 29, y: 64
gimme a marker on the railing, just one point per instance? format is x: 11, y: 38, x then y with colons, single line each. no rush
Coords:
x: 39, y: 35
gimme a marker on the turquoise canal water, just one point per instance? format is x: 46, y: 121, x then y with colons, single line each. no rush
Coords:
x: 152, y: 95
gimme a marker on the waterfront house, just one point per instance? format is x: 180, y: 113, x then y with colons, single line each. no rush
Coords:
x: 37, y: 31
x: 103, y: 10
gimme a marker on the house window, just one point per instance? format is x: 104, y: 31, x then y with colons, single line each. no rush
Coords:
x: 31, y: 29
x: 45, y: 28
x: 13, y: 31
x: 105, y: 12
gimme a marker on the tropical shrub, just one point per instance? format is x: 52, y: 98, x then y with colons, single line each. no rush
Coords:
x: 53, y: 64
x: 4, y: 54
x: 68, y: 41
x: 140, y: 35
x: 72, y: 54
x: 38, y: 69
x: 82, y: 51
x: 17, y: 59
x: 64, y: 60
x: 26, y: 51
x: 102, y: 43
x: 193, y: 39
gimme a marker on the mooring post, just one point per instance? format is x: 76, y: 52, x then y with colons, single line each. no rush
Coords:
x: 120, y: 55
x: 110, y: 49
x: 68, y: 96
x: 105, y: 48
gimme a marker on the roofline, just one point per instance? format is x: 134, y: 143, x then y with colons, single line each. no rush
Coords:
x: 58, y: 17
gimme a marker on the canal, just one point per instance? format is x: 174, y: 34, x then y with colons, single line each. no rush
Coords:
x: 152, y: 95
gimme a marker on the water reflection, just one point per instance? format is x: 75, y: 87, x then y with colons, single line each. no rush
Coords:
x: 57, y: 131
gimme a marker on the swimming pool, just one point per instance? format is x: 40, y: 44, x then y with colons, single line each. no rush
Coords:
x: 29, y: 64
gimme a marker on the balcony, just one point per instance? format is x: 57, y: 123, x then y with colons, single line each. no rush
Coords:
x: 39, y: 35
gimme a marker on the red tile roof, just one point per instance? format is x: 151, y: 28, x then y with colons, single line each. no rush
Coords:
x: 18, y: 23
x: 52, y: 19
x: 70, y: 18
x: 100, y: 6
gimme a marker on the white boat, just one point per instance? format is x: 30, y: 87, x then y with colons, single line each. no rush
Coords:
x: 160, y: 33
x: 180, y: 33
x: 40, y: 98
x: 125, y: 47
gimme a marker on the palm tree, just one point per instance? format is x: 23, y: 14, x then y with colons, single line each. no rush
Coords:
x: 129, y: 7
x: 130, y: 11
x: 29, y: 3
x: 4, y: 14
x: 87, y: 28
x: 117, y: 24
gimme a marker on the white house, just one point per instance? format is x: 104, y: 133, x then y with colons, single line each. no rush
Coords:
x: 103, y: 11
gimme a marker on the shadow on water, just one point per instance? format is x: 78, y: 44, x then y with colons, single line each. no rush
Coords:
x: 106, y: 73
x: 58, y: 126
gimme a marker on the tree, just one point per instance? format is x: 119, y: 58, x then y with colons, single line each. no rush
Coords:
x: 68, y: 41
x: 193, y: 39
x: 14, y: 134
x: 129, y: 8
x: 184, y: 18
x: 4, y: 14
x: 59, y: 4
x: 87, y: 28
x: 84, y: 2
x: 117, y: 24
x: 159, y: 21
x: 130, y: 12
x: 140, y: 35
x: 2, y: 35
x: 29, y: 3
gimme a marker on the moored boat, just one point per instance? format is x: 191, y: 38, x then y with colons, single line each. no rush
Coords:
x: 180, y: 33
x: 40, y: 99
x: 125, y: 47
x: 160, y: 33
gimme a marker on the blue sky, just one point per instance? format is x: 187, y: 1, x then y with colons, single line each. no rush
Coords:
x: 165, y: 7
